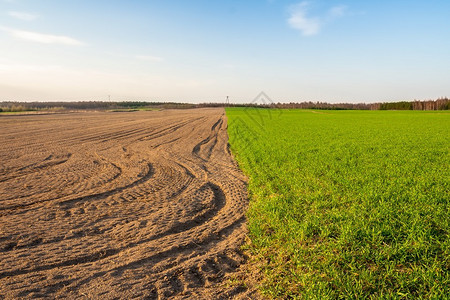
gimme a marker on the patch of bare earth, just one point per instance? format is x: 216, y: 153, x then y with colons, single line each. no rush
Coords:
x: 120, y: 205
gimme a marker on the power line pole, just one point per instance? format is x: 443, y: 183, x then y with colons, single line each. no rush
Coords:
x: 228, y: 100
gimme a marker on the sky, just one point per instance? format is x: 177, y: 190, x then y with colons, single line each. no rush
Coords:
x: 203, y: 51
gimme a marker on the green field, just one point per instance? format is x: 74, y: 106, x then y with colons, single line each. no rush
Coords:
x: 347, y: 204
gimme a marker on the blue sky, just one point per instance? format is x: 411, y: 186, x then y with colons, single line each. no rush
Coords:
x: 197, y: 51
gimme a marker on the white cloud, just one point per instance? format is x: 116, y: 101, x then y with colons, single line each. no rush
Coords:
x: 150, y: 58
x: 24, y: 16
x: 300, y: 21
x: 41, y: 37
x: 337, y: 11
x: 311, y: 25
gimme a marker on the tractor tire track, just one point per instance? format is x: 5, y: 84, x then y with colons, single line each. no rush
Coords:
x: 120, y: 205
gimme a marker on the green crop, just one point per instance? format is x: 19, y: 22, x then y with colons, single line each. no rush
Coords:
x: 347, y: 204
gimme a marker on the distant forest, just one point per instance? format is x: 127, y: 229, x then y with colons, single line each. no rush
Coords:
x: 439, y: 104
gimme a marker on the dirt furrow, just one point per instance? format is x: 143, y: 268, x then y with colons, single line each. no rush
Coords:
x: 120, y: 205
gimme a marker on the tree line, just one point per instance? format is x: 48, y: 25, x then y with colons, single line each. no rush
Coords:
x: 438, y: 104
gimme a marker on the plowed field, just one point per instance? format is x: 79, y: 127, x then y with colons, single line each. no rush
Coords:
x: 126, y: 205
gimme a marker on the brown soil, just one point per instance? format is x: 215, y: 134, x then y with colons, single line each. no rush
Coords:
x: 120, y: 205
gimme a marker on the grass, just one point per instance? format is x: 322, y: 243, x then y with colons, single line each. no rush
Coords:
x: 20, y: 109
x: 347, y: 204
